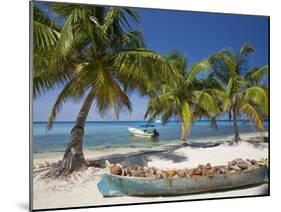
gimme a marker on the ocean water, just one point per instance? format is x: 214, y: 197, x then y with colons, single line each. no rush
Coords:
x: 101, y: 135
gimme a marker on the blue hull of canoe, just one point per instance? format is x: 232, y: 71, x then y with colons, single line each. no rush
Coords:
x: 113, y: 185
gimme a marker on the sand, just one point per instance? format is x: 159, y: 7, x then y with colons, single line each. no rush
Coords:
x: 214, y: 155
x: 81, y: 188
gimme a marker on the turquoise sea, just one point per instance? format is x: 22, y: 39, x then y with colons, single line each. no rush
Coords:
x: 108, y: 134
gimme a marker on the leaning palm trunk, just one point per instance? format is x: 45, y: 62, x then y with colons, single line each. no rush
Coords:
x: 236, y: 136
x: 73, y: 159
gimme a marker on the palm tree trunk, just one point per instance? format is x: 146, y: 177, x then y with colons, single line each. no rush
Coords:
x: 73, y: 159
x: 184, y: 134
x: 236, y: 136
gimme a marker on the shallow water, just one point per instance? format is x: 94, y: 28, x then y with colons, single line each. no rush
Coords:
x: 107, y: 135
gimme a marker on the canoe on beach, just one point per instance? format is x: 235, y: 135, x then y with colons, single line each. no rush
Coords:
x: 113, y: 185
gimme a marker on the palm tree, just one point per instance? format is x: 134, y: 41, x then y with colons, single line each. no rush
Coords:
x: 242, y: 90
x: 186, y: 97
x: 96, y: 59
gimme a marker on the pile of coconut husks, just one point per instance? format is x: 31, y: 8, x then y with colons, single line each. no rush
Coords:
x: 237, y: 165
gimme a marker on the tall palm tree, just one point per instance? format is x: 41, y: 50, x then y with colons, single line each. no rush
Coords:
x: 96, y: 59
x: 186, y: 97
x: 242, y: 90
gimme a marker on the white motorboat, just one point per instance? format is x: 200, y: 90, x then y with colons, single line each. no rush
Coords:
x: 147, y: 132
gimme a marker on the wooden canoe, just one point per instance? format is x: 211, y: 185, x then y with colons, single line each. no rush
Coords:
x: 114, y: 185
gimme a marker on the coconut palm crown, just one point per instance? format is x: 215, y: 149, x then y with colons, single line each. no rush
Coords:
x: 187, y: 98
x: 243, y: 92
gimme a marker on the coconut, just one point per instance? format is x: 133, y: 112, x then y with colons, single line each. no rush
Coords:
x: 242, y: 165
x: 164, y: 174
x: 235, y: 168
x: 254, y: 162
x: 208, y: 166
x: 181, y: 173
x: 198, y: 170
x: 172, y: 173
x: 115, y: 169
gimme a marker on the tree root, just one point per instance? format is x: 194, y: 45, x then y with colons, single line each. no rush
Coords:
x: 73, y: 159
x: 66, y: 167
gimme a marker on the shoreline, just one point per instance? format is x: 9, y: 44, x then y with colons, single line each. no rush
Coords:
x: 91, y: 154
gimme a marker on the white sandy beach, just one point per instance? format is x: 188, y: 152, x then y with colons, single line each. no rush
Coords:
x: 81, y: 188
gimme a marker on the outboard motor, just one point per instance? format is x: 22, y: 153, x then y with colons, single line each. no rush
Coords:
x: 155, y: 133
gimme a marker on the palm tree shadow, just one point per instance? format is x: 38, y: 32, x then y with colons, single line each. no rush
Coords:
x: 142, y: 158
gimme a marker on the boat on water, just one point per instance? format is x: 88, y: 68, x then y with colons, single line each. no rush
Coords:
x: 145, y: 131
x: 158, y: 121
x: 115, y: 185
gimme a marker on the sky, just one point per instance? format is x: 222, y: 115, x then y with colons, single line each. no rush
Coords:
x: 197, y: 35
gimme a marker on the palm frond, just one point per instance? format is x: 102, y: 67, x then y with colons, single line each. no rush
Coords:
x: 45, y: 31
x: 196, y: 69
x: 218, y: 73
x: 79, y: 30
x: 167, y: 114
x: 258, y: 96
x: 225, y: 61
x: 44, y: 80
x: 250, y: 112
x: 44, y: 36
x: 229, y: 87
x: 71, y: 91
x: 139, y: 68
x: 244, y: 52
x: 109, y: 95
x: 257, y: 74
x: 129, y: 40
x: 162, y: 104
x: 65, y: 42
x: 64, y: 10
x: 179, y: 61
x: 206, y: 102
x: 207, y: 84
x: 117, y: 20
x: 227, y: 104
x: 218, y: 94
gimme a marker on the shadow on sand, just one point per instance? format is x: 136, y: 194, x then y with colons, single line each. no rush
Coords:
x: 141, y: 158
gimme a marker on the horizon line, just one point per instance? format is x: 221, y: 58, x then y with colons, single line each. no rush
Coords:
x: 136, y: 121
